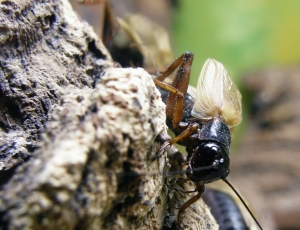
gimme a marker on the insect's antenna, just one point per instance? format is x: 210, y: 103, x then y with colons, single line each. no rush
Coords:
x: 242, y: 200
x: 168, y: 173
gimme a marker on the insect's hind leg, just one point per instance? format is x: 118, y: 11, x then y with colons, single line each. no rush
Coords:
x: 178, y: 88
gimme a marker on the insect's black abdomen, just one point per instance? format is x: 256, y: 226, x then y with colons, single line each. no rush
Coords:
x: 225, y: 210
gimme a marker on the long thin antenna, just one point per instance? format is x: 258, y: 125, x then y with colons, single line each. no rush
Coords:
x: 177, y: 172
x: 242, y: 200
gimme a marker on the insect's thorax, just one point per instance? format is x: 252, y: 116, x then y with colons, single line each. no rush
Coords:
x: 211, y: 130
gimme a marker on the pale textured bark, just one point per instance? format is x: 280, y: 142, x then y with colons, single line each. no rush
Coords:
x: 45, y: 50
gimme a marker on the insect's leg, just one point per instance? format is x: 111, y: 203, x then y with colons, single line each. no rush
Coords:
x: 195, y: 190
x: 185, y: 57
x: 192, y: 128
x: 178, y: 89
x: 185, y: 134
x: 189, y: 172
x: 200, y: 188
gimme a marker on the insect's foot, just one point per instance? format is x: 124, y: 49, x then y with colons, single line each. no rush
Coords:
x: 160, y: 151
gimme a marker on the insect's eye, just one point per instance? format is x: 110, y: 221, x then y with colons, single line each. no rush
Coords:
x: 212, y: 152
x: 211, y: 149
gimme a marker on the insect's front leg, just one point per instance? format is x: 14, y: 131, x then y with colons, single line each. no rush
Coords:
x: 192, y: 128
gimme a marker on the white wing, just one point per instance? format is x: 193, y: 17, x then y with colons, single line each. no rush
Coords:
x: 192, y: 91
x: 217, y: 95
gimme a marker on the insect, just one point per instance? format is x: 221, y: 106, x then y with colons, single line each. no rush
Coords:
x: 202, y: 120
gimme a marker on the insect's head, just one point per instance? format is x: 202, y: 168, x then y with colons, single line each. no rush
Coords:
x: 211, y: 159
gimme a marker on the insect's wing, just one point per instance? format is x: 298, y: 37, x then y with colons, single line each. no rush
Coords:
x: 192, y: 91
x: 232, y: 104
x: 217, y: 95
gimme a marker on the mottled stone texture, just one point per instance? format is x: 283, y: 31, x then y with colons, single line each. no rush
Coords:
x: 45, y: 52
x: 95, y: 145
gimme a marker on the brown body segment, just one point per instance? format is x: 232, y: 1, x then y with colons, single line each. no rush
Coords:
x: 178, y: 89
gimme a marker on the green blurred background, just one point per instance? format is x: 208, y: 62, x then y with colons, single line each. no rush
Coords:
x: 243, y: 35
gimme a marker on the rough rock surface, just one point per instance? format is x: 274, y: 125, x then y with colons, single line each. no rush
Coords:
x: 88, y: 165
x: 45, y: 50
